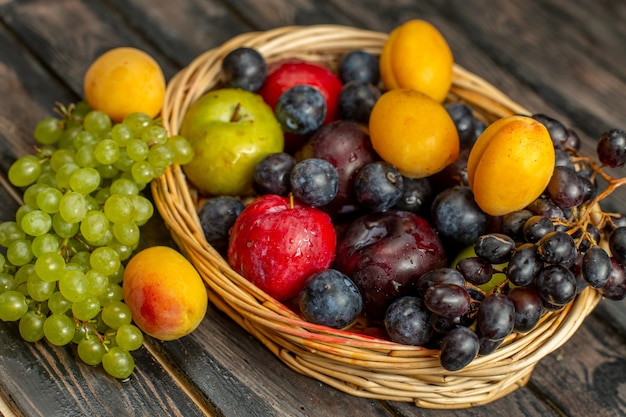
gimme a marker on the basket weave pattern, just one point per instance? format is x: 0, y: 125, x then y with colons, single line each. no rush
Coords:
x: 357, y: 364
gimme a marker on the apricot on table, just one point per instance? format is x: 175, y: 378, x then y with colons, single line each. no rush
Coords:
x: 164, y: 292
x: 510, y: 164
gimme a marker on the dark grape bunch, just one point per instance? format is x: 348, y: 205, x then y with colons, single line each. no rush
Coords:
x: 60, y: 279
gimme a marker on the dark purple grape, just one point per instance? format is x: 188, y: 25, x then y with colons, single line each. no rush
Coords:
x: 475, y: 270
x: 217, y: 215
x: 611, y: 148
x: 458, y: 349
x: 442, y: 324
x: 544, y: 206
x: 590, y: 189
x: 537, y: 227
x: 488, y: 346
x: 314, y: 181
x: 495, y: 248
x: 447, y: 300
x: 573, y: 140
x: 417, y: 195
x: 407, y: 321
x: 528, y: 308
x: 596, y: 266
x: 356, y: 101
x: 359, y: 66
x: 496, y: 316
x: 558, y: 131
x: 617, y: 244
x: 271, y: 174
x: 563, y: 159
x: 436, y: 276
x: 577, y: 270
x: 615, y: 287
x: 513, y: 224
x: 557, y: 248
x: 378, y: 186
x: 331, y: 299
x: 585, y: 240
x: 464, y: 120
x: 301, y: 109
x: 566, y: 188
x: 244, y: 68
x: 523, y: 265
x: 457, y: 217
x: 556, y: 285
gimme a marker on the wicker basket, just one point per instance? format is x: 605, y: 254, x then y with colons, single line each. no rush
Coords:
x: 357, y: 364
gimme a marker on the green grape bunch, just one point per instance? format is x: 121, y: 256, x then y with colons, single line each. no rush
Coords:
x: 82, y: 211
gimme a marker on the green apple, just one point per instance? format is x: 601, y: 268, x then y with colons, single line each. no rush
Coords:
x: 230, y: 131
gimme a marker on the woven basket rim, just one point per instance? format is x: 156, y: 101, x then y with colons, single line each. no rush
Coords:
x: 358, y: 364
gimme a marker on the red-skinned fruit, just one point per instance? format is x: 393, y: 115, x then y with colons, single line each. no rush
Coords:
x: 277, y: 243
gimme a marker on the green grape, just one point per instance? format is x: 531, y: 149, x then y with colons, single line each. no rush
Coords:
x: 118, y: 276
x: 143, y: 209
x: 142, y: 171
x: 113, y: 292
x: 183, y: 151
x: 107, y: 151
x: 50, y: 266
x: 48, y: 178
x: 104, y: 240
x: 48, y: 200
x: 91, y: 351
x: 92, y: 203
x: 84, y: 138
x: 58, y: 329
x: 36, y: 223
x: 10, y: 231
x: 116, y: 313
x: 86, y: 309
x: 63, y: 175
x: 108, y: 171
x: 124, y: 186
x: 81, y: 258
x: 13, y: 305
x: 161, y: 156
x: 105, y: 260
x: 21, y: 277
x: 44, y: 243
x: 73, y: 207
x: 7, y: 282
x: 102, y: 195
x: 123, y: 251
x: 85, y: 180
x: 154, y: 135
x: 62, y: 228
x: 137, y: 150
x: 97, y: 282
x: 59, y: 304
x: 129, y: 176
x: 82, y: 331
x: 137, y: 122
x: 48, y: 130
x: 118, y: 363
x: 24, y: 171
x: 121, y: 134
x: 61, y: 157
x: 126, y: 233
x: 19, y: 252
x: 73, y: 285
x: 3, y: 261
x: 30, y: 194
x: 119, y: 208
x: 97, y: 122
x: 66, y: 141
x: 85, y: 156
x: 124, y: 162
x: 31, y: 326
x: 129, y: 337
x: 21, y: 212
x: 38, y: 289
x: 94, y: 226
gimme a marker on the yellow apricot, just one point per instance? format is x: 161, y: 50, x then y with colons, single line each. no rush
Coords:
x: 164, y: 292
x: 125, y: 80
x: 510, y: 164
x: 417, y: 56
x: 413, y: 132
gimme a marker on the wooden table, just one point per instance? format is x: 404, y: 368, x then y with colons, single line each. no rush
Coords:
x: 562, y: 58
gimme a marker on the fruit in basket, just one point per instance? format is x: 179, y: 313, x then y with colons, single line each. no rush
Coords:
x: 301, y: 109
x: 513, y: 153
x: 413, y: 132
x: 277, y: 243
x: 230, y: 131
x: 244, y: 68
x: 385, y: 253
x: 125, y: 80
x: 164, y: 292
x: 314, y: 182
x: 417, y: 56
x: 291, y: 73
